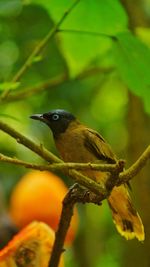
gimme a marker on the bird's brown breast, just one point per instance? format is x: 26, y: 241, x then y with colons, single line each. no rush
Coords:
x: 71, y: 146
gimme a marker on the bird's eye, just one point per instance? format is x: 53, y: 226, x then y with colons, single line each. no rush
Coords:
x: 55, y: 117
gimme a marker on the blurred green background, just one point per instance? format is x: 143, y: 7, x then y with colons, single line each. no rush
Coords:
x: 97, y: 66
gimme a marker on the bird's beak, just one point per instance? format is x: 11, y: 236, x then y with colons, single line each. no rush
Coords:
x: 38, y: 117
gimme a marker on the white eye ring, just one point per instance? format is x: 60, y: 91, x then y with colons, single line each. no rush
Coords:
x: 55, y: 117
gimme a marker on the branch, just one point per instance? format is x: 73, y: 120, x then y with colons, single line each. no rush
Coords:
x: 50, y: 157
x: 123, y: 177
x: 68, y: 168
x: 93, y: 71
x: 77, y: 194
x: 37, y: 50
x: 74, y: 195
x: 27, y: 92
x: 91, y: 33
x: 128, y: 174
x: 20, y: 138
x: 52, y: 83
x: 63, y: 166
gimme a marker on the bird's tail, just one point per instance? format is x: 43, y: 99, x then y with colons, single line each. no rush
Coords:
x: 125, y: 217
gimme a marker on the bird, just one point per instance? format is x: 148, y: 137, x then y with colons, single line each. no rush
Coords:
x: 78, y: 143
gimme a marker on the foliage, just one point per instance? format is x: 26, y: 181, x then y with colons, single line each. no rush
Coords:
x: 90, y: 65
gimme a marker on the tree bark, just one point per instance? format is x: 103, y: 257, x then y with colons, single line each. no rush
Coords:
x: 138, y: 127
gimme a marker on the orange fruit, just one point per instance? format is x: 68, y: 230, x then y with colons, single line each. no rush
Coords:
x: 32, y: 246
x: 38, y: 196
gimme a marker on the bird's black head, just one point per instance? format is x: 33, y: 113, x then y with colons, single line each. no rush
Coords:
x: 58, y: 120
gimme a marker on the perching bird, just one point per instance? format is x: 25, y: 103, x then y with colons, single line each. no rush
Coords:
x: 78, y: 143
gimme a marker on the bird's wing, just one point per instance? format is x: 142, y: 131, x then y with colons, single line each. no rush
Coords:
x: 95, y: 143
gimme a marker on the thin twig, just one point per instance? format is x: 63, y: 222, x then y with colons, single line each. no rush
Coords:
x: 78, y: 177
x: 96, y: 194
x: 74, y: 195
x: 52, y: 83
x: 128, y: 174
x: 62, y: 166
x: 37, y: 50
x: 123, y: 176
x: 91, y: 33
x: 27, y: 92
x: 90, y: 71
x: 21, y: 139
x: 77, y: 194
x: 50, y: 157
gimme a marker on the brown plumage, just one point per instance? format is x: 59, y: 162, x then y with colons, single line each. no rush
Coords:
x: 77, y: 143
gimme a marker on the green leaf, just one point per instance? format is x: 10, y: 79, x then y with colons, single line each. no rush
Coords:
x: 9, y: 86
x: 105, y: 17
x: 133, y: 62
